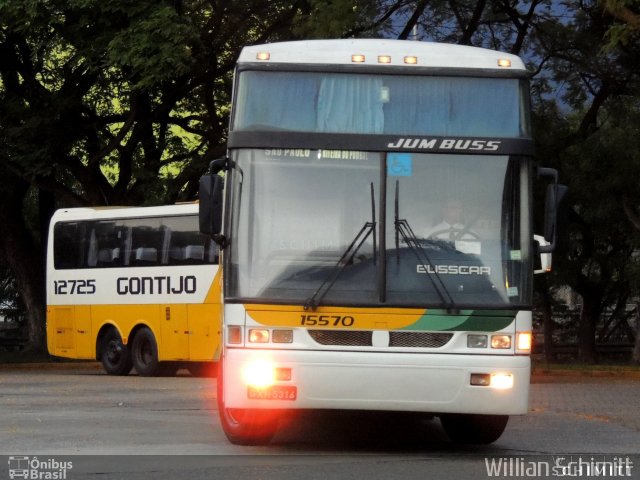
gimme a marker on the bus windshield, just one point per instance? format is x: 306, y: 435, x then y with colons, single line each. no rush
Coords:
x: 455, y: 229
x: 324, y: 102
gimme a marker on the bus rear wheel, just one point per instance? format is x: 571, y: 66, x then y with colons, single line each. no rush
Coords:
x: 114, y: 355
x: 244, y: 426
x: 474, y: 429
x: 144, y: 353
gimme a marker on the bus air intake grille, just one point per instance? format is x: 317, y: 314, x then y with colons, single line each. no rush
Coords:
x: 419, y: 339
x: 344, y: 338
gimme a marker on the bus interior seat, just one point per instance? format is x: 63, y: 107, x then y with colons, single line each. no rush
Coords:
x: 108, y: 255
x: 194, y: 252
x: 146, y: 255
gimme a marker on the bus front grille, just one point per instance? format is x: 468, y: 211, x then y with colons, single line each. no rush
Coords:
x: 345, y: 338
x: 419, y: 339
x: 364, y: 338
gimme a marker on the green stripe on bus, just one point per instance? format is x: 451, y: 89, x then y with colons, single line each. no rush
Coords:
x: 465, y: 321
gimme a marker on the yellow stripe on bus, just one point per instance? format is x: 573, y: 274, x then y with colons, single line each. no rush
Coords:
x: 334, y: 317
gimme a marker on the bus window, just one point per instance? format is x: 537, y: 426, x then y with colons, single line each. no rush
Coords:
x: 187, y: 246
x: 146, y: 243
x: 68, y: 245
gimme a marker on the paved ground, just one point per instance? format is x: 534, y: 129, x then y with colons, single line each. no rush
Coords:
x: 605, y: 400
x: 73, y: 409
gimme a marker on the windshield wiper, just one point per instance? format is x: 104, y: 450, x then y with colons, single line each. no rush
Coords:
x: 404, y: 230
x: 367, y: 229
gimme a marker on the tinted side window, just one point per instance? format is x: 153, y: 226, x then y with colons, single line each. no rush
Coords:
x: 70, y: 242
x: 186, y: 245
x: 154, y: 241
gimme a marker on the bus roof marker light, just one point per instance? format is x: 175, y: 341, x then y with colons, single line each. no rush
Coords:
x: 263, y: 56
x: 411, y: 60
x: 357, y: 58
x: 384, y: 58
x: 504, y: 62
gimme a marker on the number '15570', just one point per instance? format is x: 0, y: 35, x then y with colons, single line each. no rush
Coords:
x: 326, y: 320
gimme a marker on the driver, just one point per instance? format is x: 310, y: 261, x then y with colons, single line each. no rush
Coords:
x: 452, y: 226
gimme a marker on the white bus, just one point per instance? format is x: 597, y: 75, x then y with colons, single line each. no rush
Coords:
x: 133, y: 287
x: 342, y: 289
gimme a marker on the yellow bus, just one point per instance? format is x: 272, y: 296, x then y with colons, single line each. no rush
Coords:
x: 133, y: 287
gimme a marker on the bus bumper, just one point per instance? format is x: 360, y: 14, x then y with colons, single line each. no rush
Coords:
x: 435, y: 383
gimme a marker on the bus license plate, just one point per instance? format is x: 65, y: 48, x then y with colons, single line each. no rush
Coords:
x: 277, y: 392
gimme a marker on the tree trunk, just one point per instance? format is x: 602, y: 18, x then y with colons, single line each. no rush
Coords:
x: 635, y: 357
x: 23, y: 257
x: 548, y: 326
x: 589, y: 316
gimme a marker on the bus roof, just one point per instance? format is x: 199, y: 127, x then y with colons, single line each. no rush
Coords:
x: 90, y: 213
x: 380, y: 52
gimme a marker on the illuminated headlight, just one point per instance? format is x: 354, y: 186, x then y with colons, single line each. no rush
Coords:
x: 501, y: 381
x: 476, y: 341
x: 258, y: 335
x: 259, y: 374
x: 501, y: 341
x: 524, y: 341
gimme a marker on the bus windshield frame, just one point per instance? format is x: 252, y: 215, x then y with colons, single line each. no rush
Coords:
x: 319, y: 202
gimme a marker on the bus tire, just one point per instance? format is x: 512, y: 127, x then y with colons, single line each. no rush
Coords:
x: 245, y: 426
x: 473, y: 428
x: 144, y: 353
x: 114, y: 355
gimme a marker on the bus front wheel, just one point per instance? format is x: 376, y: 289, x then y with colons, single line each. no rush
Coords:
x: 114, y: 355
x: 244, y: 426
x: 474, y: 429
x: 144, y: 353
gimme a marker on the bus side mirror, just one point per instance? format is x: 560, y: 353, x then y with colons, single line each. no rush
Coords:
x: 555, y: 193
x: 211, y: 199
x: 542, y: 260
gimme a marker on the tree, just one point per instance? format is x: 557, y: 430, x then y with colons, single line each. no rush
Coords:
x: 117, y: 102
x: 122, y: 102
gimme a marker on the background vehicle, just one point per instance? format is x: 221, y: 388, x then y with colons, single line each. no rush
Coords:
x: 133, y: 287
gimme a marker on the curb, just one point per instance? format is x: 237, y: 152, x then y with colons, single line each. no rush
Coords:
x: 48, y: 366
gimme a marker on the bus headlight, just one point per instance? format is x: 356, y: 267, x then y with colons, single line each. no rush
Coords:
x: 501, y: 341
x: 501, y: 381
x: 476, y: 341
x: 258, y: 335
x: 282, y: 336
x: 259, y: 374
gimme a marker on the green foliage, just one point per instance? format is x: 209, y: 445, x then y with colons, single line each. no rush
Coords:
x: 125, y: 101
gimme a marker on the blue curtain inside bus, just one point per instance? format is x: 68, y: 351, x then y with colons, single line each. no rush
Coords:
x: 379, y: 104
